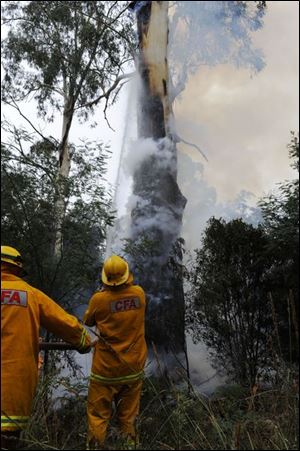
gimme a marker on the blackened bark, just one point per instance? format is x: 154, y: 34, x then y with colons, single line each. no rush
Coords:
x: 159, y: 209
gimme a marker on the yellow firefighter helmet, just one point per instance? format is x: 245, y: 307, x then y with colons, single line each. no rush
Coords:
x: 115, y: 271
x: 12, y: 256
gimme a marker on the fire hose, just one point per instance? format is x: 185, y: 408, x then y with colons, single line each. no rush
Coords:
x: 62, y: 345
x: 56, y: 346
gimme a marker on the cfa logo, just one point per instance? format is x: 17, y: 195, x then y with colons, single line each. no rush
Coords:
x: 123, y: 305
x: 14, y: 297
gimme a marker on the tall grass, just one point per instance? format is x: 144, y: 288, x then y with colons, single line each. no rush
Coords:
x: 232, y: 419
x: 171, y: 418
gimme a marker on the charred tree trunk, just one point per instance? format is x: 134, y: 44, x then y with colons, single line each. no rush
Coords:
x: 157, y: 216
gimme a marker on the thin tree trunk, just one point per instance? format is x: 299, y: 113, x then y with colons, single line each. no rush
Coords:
x: 62, y: 177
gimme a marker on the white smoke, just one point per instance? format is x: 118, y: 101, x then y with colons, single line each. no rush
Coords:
x: 211, y: 33
x: 135, y: 153
x: 161, y: 218
x: 202, y: 374
x: 141, y: 149
x: 200, y: 33
x: 202, y: 202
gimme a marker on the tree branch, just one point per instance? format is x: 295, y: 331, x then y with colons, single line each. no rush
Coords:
x: 26, y: 160
x: 178, y: 139
x: 14, y: 105
x: 108, y: 92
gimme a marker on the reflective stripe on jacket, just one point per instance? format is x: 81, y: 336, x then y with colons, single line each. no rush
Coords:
x: 117, y: 380
x: 13, y: 422
x: 23, y: 310
x: 119, y: 315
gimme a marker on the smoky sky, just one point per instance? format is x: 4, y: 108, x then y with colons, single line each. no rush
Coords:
x: 243, y: 120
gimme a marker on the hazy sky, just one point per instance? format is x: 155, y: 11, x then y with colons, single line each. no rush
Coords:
x: 243, y: 123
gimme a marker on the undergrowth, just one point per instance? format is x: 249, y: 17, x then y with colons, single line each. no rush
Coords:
x: 172, y: 418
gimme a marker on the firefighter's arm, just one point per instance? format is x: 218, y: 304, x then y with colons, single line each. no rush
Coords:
x: 89, y: 316
x: 65, y: 326
x: 141, y: 294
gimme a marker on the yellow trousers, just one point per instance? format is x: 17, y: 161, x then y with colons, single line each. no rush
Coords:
x: 99, y: 408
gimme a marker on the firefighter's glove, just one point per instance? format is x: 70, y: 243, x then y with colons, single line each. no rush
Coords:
x: 85, y: 350
x: 89, y: 348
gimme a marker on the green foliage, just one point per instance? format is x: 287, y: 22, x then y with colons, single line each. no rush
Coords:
x: 28, y: 192
x: 66, y: 53
x: 67, y: 56
x: 280, y: 213
x: 244, y: 298
x: 233, y: 418
x: 173, y: 418
x: 231, y: 312
x: 58, y: 423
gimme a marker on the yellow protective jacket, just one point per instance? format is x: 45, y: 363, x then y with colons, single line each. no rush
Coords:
x: 119, y: 314
x: 23, y: 310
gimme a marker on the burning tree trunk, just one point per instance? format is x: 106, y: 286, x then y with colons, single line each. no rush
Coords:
x: 157, y: 216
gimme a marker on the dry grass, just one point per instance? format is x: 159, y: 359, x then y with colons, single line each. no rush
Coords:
x: 173, y: 418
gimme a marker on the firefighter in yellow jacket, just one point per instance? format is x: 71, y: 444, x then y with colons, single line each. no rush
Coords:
x: 23, y: 310
x: 118, y: 312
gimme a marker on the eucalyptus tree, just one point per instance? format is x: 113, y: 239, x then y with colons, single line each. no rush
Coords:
x: 175, y: 38
x: 68, y: 56
x: 28, y: 172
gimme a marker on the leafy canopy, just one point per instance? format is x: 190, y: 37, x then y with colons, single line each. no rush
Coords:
x: 64, y: 53
x: 28, y: 193
x: 231, y: 311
